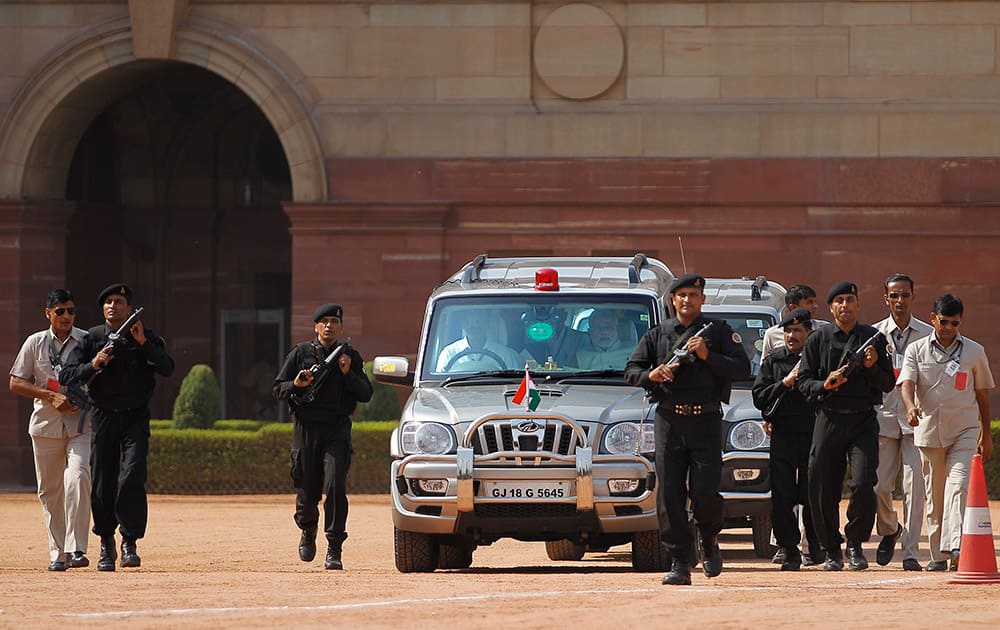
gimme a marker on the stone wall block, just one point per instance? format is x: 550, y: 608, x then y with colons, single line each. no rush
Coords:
x: 818, y: 134
x: 644, y: 45
x: 765, y: 14
x: 700, y: 134
x: 922, y: 50
x: 756, y: 51
x: 515, y: 89
x: 912, y: 134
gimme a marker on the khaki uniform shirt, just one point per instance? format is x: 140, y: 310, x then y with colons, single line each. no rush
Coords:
x: 33, y: 364
x: 892, y: 414
x: 947, y: 403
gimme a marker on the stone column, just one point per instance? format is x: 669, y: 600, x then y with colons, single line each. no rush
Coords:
x: 32, y: 263
x: 377, y: 259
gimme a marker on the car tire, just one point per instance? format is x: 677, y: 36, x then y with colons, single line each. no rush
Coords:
x: 415, y: 552
x: 649, y: 553
x: 761, y: 525
x: 455, y: 556
x: 564, y: 550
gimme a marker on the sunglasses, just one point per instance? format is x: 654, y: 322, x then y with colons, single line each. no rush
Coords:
x: 64, y: 309
x: 896, y: 296
x: 955, y: 323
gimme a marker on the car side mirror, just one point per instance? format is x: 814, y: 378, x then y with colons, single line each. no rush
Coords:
x: 392, y: 370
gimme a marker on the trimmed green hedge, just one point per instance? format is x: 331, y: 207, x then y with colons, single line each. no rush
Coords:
x: 210, y: 461
x: 238, y: 425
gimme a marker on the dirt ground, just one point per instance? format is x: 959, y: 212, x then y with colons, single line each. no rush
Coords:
x: 231, y: 561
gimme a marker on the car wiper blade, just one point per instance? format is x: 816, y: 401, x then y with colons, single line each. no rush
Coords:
x: 483, y: 374
x: 591, y: 374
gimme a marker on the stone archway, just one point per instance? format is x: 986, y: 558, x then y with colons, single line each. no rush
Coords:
x: 44, y: 124
x: 51, y: 110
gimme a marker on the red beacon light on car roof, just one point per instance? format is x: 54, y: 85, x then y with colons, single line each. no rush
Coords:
x: 547, y: 279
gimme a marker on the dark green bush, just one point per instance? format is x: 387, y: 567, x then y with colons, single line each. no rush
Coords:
x: 200, y: 461
x: 199, y: 401
x: 384, y: 404
x: 238, y: 425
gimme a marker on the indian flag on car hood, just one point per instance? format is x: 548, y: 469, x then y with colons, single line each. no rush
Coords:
x: 527, y: 390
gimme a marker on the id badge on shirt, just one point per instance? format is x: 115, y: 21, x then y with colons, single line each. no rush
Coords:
x: 897, y: 364
x: 52, y: 384
x: 951, y: 368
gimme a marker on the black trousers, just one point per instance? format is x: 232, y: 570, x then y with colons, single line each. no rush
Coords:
x: 789, y: 464
x: 119, y: 449
x: 688, y: 450
x: 320, y: 461
x: 837, y: 439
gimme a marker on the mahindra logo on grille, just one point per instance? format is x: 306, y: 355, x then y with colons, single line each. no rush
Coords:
x: 528, y: 426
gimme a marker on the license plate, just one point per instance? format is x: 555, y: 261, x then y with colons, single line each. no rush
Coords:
x: 527, y: 490
x: 746, y: 474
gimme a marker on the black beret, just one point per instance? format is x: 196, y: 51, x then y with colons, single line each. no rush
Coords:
x: 115, y: 289
x: 688, y: 280
x: 328, y: 310
x: 798, y: 316
x: 841, y: 288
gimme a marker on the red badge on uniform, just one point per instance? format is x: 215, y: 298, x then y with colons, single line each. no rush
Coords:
x: 52, y: 384
x: 961, y: 380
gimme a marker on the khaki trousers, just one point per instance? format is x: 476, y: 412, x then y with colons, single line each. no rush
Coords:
x: 62, y: 467
x: 893, y: 452
x: 946, y: 474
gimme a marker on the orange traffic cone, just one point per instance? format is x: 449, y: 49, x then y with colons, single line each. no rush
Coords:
x: 977, y: 563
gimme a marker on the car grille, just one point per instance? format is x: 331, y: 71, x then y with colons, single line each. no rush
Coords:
x: 527, y: 436
x: 525, y: 510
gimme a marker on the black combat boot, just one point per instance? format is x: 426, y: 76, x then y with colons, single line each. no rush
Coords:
x: 130, y: 555
x: 106, y: 562
x: 712, y: 561
x: 680, y: 573
x: 333, y: 560
x: 307, y: 545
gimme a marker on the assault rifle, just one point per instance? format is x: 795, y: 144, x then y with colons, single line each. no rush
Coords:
x: 319, y: 371
x: 117, y: 338
x: 79, y: 398
x: 856, y: 358
x: 682, y: 355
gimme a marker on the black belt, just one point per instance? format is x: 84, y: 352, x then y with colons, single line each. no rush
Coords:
x: 694, y: 409
x: 843, y: 412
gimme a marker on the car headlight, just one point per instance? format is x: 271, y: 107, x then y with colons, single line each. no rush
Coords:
x: 429, y: 438
x: 748, y: 436
x: 627, y: 438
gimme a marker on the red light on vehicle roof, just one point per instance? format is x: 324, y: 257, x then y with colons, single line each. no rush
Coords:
x: 547, y: 280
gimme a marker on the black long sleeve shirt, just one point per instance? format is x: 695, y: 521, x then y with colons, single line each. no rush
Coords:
x: 699, y: 382
x: 339, y: 394
x: 825, y: 351
x: 792, y: 413
x: 127, y: 381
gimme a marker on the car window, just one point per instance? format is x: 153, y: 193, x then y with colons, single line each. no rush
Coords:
x: 552, y: 333
x: 751, y: 328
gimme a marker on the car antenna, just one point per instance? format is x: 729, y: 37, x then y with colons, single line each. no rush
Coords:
x: 680, y: 243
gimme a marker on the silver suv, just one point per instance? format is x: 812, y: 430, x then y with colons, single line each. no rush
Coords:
x: 471, y: 466
x: 749, y: 307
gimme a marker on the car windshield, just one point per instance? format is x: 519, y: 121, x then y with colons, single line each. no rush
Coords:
x: 751, y: 327
x: 553, y: 333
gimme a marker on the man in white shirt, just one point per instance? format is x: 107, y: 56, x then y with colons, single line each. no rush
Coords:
x: 60, y: 439
x: 895, y: 435
x: 474, y: 352
x: 606, y: 350
x: 945, y: 383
